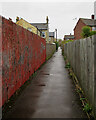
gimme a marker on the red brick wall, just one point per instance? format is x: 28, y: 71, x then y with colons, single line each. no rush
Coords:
x: 22, y: 53
x: 78, y: 29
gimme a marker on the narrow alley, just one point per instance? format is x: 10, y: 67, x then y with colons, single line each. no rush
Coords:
x: 51, y: 94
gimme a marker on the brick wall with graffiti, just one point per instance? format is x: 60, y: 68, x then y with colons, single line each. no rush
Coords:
x: 23, y: 52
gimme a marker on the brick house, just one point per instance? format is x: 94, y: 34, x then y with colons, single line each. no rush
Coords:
x: 81, y: 23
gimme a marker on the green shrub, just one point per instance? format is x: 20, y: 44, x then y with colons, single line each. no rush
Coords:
x: 93, y: 32
x: 86, y: 31
x: 67, y: 41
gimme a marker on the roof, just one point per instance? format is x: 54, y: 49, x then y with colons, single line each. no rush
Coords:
x: 69, y: 36
x: 51, y: 34
x: 89, y: 22
x: 25, y: 21
x: 40, y: 26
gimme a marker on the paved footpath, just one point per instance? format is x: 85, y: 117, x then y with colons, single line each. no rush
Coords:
x: 51, y: 94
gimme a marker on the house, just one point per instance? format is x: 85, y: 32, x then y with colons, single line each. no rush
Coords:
x: 84, y: 22
x: 52, y: 37
x: 69, y: 37
x: 27, y: 25
x: 44, y: 29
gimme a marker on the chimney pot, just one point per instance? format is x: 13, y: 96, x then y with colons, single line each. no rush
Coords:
x: 10, y: 19
x: 17, y: 19
x: 92, y: 16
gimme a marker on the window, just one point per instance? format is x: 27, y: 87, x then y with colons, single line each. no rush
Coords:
x: 43, y: 34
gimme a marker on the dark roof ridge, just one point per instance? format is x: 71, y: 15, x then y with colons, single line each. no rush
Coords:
x: 87, y: 19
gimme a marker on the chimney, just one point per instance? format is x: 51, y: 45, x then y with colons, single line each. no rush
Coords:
x: 17, y: 19
x: 92, y: 16
x: 47, y: 19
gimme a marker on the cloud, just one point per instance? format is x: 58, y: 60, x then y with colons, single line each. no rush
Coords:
x: 61, y: 14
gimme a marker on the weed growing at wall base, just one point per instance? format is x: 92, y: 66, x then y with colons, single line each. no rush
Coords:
x: 64, y: 57
x: 67, y: 65
x: 86, y: 107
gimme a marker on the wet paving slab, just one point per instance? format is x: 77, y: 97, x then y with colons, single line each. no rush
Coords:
x: 51, y: 94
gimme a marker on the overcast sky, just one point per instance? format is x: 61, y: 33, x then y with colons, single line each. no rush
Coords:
x: 61, y: 14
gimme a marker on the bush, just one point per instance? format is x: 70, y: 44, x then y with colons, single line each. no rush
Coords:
x: 67, y: 41
x: 86, y: 31
x: 93, y: 32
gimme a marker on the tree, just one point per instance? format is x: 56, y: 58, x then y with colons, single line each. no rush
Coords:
x: 86, y: 32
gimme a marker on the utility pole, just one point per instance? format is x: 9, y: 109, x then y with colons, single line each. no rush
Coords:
x: 56, y: 34
x: 56, y: 41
